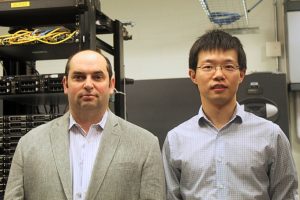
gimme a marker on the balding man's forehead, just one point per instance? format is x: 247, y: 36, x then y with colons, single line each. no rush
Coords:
x: 88, y: 55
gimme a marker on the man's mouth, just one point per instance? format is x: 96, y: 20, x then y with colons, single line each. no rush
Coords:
x: 219, y: 86
x: 87, y: 95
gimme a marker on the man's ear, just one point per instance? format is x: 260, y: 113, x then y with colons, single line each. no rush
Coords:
x: 192, y: 74
x: 242, y: 75
x: 112, y: 83
x: 65, y: 84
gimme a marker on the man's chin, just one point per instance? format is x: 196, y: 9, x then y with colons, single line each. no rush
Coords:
x: 221, y: 101
x: 89, y: 105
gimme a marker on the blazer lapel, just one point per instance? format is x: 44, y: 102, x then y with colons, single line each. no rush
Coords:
x: 109, y: 142
x: 60, y: 146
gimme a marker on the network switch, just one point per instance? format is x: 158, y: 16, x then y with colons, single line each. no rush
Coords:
x: 31, y: 84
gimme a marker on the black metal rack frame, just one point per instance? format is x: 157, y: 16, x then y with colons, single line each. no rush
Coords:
x: 83, y: 15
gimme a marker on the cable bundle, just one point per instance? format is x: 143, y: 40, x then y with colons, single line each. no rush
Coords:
x: 48, y: 36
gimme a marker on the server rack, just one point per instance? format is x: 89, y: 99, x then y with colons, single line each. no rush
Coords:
x: 22, y: 91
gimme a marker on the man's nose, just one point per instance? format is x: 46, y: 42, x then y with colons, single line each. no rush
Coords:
x: 219, y: 74
x: 88, y: 84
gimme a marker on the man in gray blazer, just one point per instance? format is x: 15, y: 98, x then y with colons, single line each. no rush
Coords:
x: 89, y: 153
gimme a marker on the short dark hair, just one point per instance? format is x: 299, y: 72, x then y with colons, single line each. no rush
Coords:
x: 109, y: 66
x: 217, y: 40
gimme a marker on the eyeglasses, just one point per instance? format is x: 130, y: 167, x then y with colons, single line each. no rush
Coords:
x: 227, y: 67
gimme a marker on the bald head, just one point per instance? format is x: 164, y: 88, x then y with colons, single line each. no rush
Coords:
x: 88, y: 53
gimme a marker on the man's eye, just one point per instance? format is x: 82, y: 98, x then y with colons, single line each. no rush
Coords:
x: 98, y: 77
x: 229, y: 67
x: 78, y: 77
x: 207, y: 67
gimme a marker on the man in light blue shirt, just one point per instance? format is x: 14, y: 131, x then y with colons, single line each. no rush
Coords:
x: 225, y: 152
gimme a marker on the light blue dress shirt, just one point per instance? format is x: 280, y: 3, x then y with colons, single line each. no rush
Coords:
x: 83, y: 151
x: 249, y: 158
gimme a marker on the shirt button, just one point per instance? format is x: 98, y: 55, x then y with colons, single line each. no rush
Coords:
x: 220, y: 186
x: 219, y: 160
x: 78, y: 195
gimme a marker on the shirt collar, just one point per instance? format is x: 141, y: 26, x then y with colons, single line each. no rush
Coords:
x: 238, y: 116
x: 101, y: 123
x: 240, y: 112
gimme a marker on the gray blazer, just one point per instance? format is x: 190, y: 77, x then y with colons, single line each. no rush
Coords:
x: 128, y: 164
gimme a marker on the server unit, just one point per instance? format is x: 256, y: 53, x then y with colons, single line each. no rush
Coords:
x: 265, y: 94
x: 12, y: 128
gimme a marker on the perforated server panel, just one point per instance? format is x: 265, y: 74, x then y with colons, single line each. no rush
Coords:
x: 12, y: 128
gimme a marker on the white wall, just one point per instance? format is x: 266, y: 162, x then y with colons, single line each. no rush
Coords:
x: 165, y: 31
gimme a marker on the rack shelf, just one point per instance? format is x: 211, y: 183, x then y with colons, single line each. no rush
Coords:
x: 37, y: 99
x: 40, y: 12
x: 81, y: 15
x: 39, y: 51
x: 294, y: 87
